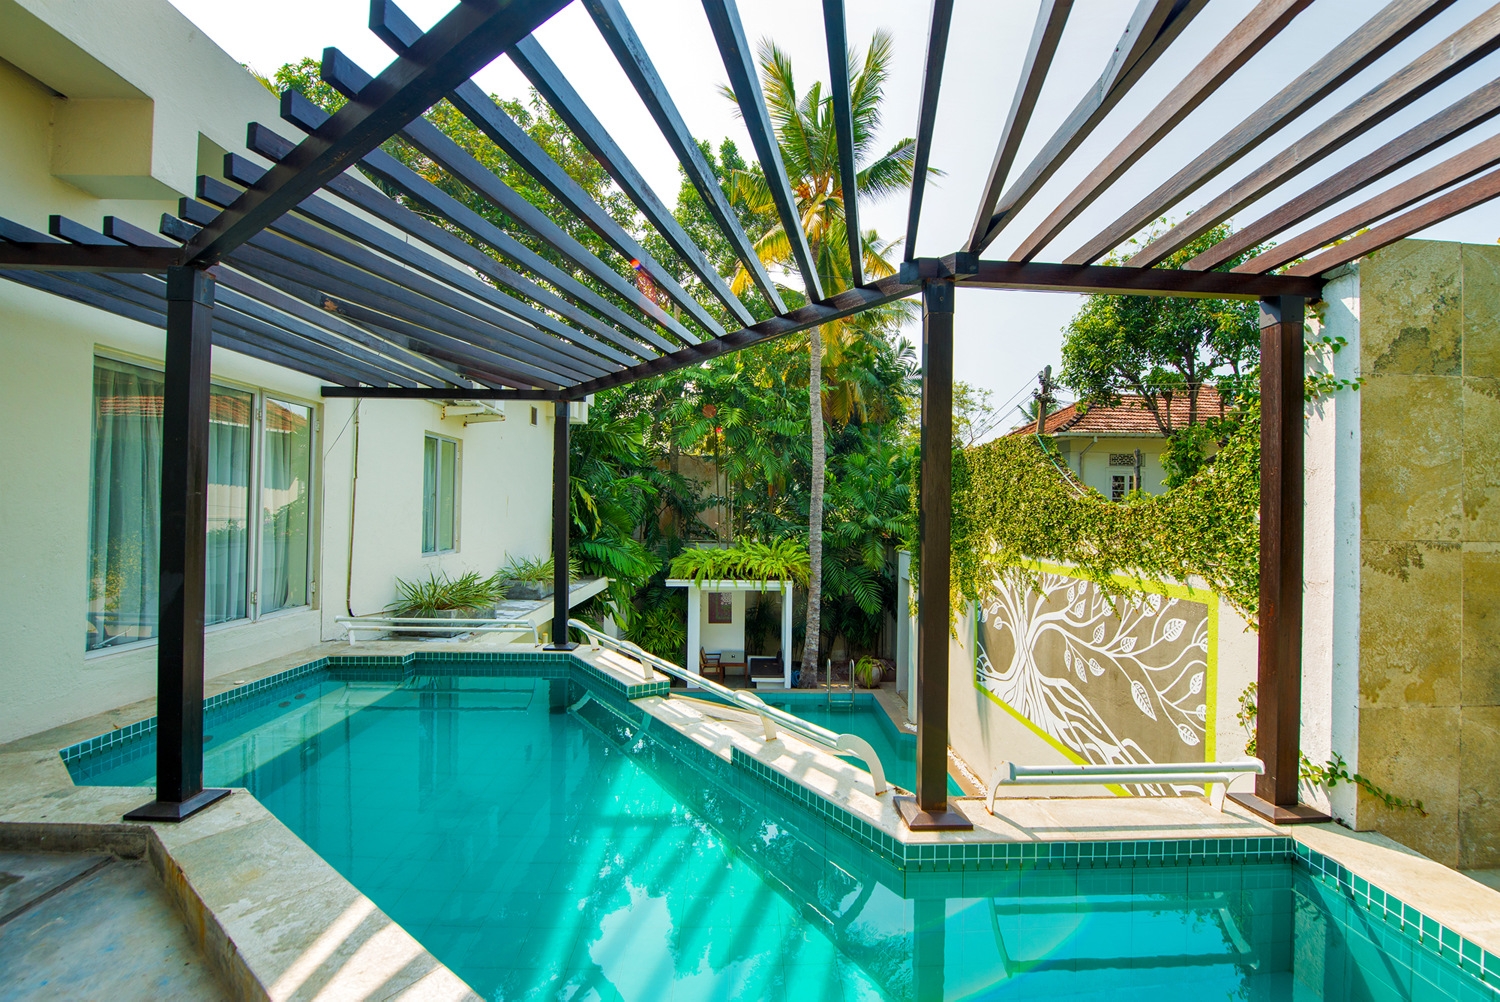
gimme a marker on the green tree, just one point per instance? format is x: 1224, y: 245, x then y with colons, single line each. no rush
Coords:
x: 1164, y: 348
x: 807, y: 137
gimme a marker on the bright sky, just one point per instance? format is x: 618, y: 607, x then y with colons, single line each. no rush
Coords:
x: 1003, y: 338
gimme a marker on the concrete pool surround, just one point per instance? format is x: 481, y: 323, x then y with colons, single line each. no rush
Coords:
x: 273, y: 919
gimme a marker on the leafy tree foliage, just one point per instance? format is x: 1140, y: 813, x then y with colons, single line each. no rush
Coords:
x: 1165, y: 348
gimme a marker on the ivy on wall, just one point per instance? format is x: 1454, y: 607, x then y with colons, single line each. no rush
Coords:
x: 1014, y: 503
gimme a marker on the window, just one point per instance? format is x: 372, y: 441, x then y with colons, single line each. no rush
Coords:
x: 125, y: 506
x: 720, y: 607
x: 1122, y: 459
x: 439, y: 494
x: 284, y: 498
x: 1120, y: 485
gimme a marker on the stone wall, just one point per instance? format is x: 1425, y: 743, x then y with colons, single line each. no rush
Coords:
x: 1429, y: 545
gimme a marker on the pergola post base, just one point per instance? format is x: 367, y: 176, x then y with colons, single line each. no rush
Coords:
x: 167, y: 810
x: 918, y: 820
x: 1280, y: 814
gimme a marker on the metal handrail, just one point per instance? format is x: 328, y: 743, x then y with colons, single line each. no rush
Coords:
x: 770, y: 716
x: 1215, y: 777
x: 421, y: 624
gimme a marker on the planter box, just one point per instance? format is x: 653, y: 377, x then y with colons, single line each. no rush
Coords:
x: 484, y: 612
x: 528, y: 590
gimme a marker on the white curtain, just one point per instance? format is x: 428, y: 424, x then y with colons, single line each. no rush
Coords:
x: 124, y: 504
x: 285, y: 483
x: 225, y: 597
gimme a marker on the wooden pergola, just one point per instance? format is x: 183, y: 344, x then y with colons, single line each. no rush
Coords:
x: 283, y: 263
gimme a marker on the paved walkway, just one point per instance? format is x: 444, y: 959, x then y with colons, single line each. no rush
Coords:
x: 93, y: 927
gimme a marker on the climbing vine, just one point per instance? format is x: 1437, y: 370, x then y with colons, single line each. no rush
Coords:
x: 1328, y: 775
x: 1014, y: 504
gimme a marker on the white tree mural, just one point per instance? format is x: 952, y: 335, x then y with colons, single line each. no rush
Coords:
x: 1114, y: 679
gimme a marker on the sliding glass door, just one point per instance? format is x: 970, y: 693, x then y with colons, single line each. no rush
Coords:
x: 255, y: 566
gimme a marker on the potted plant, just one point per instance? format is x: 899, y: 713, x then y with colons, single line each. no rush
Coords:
x: 528, y: 578
x: 868, y: 672
x: 440, y: 597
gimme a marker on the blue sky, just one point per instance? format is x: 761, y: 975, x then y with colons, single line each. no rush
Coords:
x: 1003, y: 338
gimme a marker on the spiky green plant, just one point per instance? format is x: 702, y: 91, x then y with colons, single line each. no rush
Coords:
x: 421, y: 599
x: 535, y: 569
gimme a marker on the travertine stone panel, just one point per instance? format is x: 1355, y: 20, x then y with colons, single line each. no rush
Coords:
x: 1411, y: 452
x: 1429, y: 609
x: 1411, y: 316
x: 1481, y: 350
x: 1481, y: 627
x: 1479, y: 792
x: 1414, y: 752
x: 1481, y: 457
x: 1411, y: 624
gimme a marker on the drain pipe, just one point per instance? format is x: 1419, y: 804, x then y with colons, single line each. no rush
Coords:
x: 353, y: 496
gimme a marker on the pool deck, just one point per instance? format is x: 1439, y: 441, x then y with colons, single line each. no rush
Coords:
x: 273, y: 920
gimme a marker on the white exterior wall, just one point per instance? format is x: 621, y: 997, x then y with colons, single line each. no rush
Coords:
x: 1330, y: 600
x: 1088, y: 457
x: 199, y: 101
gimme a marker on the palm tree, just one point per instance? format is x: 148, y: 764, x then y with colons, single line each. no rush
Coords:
x: 806, y: 133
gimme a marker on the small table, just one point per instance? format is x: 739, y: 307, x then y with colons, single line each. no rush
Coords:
x: 731, y: 659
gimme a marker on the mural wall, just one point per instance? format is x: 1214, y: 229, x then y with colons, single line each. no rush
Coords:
x: 1099, y: 678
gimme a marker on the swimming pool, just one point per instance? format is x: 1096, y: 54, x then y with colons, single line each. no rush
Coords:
x: 546, y: 839
x: 897, y: 751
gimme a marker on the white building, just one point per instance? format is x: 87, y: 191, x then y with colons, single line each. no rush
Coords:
x: 315, y: 507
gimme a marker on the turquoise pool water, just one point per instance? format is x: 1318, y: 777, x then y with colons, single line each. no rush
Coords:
x: 897, y: 751
x: 548, y: 846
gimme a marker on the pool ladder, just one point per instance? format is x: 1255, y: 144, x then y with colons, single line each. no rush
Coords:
x: 838, y: 696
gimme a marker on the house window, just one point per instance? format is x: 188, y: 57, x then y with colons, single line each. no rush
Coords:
x: 439, y: 494
x: 720, y: 607
x: 1120, y: 485
x: 1122, y: 459
x: 125, y: 507
x: 285, y: 500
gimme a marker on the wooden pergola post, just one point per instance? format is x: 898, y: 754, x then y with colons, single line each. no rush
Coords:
x: 184, y: 552
x: 1279, y: 666
x: 929, y: 811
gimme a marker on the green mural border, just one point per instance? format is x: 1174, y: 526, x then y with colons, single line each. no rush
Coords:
x: 1169, y: 590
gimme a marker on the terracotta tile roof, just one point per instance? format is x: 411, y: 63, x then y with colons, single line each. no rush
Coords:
x: 1129, y: 419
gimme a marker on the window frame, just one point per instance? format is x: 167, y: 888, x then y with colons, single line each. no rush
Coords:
x: 454, y: 502
x: 255, y: 483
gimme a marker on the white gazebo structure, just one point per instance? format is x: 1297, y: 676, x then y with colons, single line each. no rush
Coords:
x: 724, y: 634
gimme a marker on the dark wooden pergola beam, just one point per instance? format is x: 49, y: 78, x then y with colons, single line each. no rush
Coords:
x: 411, y: 271
x: 1051, y: 19
x: 1389, y: 27
x: 465, y: 41
x: 348, y: 78
x: 533, y: 61
x: 739, y: 62
x: 1437, y: 65
x: 836, y: 33
x: 609, y: 17
x: 457, y: 393
x: 284, y: 309
x: 400, y: 33
x: 1247, y: 38
x: 25, y: 256
x: 1459, y: 117
x: 932, y: 84
x: 367, y: 198
x: 277, y: 255
x: 1045, y: 277
x: 1409, y: 192
x: 1152, y: 28
x: 1476, y: 192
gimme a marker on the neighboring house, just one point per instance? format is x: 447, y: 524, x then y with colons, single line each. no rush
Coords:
x: 1100, y: 443
x: 118, y: 116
